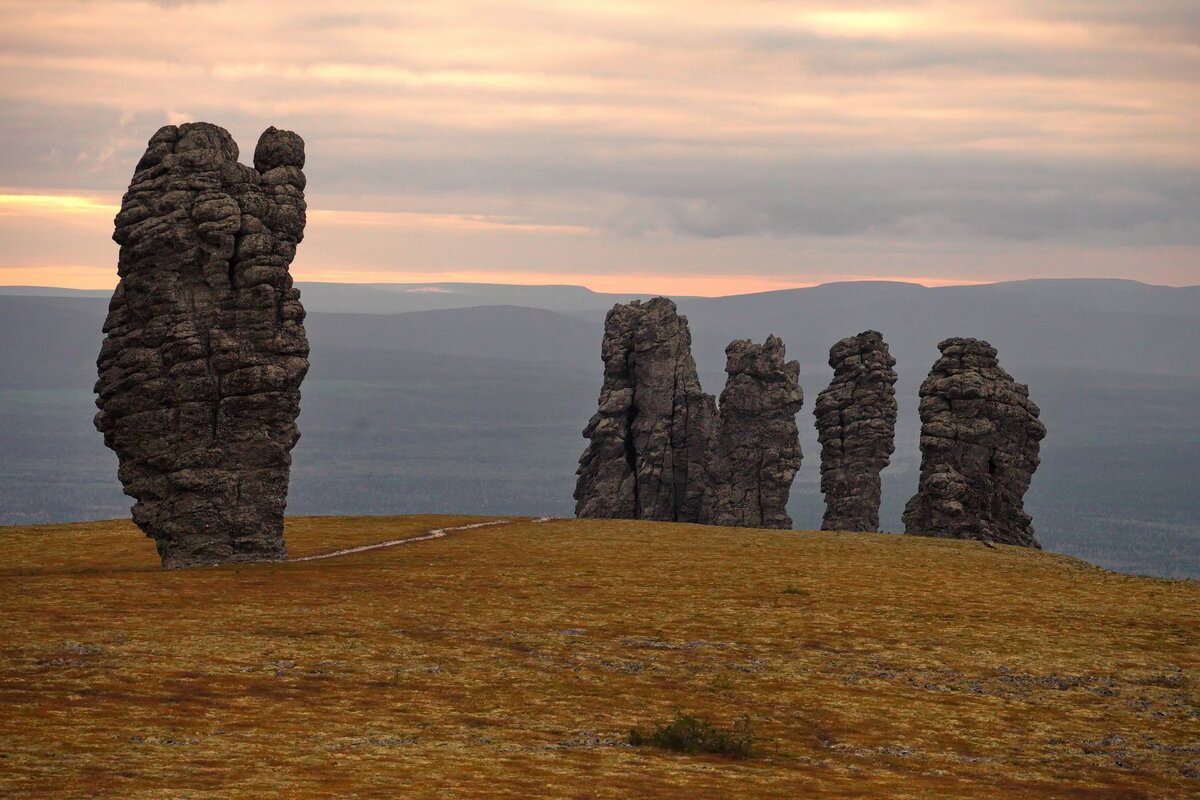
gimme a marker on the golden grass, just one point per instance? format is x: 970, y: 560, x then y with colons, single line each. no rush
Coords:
x: 509, y: 661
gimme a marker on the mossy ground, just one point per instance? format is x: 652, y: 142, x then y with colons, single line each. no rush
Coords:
x: 513, y: 660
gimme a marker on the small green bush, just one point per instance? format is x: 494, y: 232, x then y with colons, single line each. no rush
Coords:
x: 687, y: 734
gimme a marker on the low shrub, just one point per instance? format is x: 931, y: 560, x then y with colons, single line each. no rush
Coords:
x: 692, y: 735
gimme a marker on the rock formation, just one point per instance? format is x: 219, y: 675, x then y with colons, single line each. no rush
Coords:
x: 756, y: 451
x: 856, y: 423
x: 980, y: 437
x: 649, y: 438
x: 199, y: 376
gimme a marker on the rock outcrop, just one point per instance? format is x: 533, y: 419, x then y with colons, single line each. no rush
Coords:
x: 856, y: 424
x: 980, y: 438
x: 756, y: 450
x: 199, y: 376
x: 650, y: 436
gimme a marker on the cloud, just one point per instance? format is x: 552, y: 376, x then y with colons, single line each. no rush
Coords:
x: 350, y: 21
x: 180, y: 3
x: 659, y: 129
x: 920, y: 198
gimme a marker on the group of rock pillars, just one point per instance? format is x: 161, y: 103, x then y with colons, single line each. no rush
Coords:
x: 205, y: 350
x: 661, y: 449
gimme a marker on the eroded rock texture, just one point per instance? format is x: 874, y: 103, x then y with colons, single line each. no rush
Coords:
x: 856, y: 425
x: 649, y: 438
x: 756, y: 450
x: 199, y: 376
x: 980, y: 437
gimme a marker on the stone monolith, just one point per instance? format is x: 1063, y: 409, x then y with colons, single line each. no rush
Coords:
x: 649, y: 438
x: 199, y: 376
x: 756, y: 451
x: 856, y: 424
x: 980, y: 438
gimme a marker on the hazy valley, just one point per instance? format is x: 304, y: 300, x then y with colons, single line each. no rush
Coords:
x: 458, y: 398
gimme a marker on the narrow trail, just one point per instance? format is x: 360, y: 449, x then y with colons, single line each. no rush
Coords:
x: 436, y: 533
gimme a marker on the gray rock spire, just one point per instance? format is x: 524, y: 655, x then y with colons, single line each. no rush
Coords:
x: 649, y: 438
x: 980, y: 438
x: 856, y: 423
x: 199, y: 376
x: 756, y: 451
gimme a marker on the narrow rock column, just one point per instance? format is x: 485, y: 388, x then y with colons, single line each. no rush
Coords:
x: 756, y: 452
x: 856, y: 424
x: 980, y: 442
x: 607, y: 484
x: 199, y: 376
x: 648, y: 440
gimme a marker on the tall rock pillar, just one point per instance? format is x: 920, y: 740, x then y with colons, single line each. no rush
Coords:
x: 856, y: 424
x: 649, y: 438
x: 756, y: 451
x: 980, y: 442
x: 199, y: 375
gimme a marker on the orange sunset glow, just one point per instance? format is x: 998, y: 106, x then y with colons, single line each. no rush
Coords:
x: 679, y: 147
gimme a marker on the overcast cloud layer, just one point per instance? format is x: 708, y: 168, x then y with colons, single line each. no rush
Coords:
x: 681, y: 147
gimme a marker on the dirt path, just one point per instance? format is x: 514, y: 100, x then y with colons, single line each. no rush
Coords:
x: 436, y: 533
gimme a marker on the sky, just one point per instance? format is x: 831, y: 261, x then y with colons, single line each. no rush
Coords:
x: 682, y: 147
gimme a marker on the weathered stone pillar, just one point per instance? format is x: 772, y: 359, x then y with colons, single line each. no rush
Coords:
x: 199, y: 376
x: 756, y: 451
x: 649, y: 438
x: 980, y: 438
x: 856, y: 424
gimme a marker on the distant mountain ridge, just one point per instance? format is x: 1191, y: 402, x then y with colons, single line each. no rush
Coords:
x: 396, y: 298
x: 492, y: 331
x: 1073, y: 324
x: 399, y: 298
x: 1085, y: 323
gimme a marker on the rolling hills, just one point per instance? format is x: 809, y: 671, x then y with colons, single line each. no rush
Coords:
x: 512, y: 661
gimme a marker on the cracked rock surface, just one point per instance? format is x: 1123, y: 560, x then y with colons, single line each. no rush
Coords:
x: 856, y: 424
x: 756, y: 450
x: 980, y: 442
x: 200, y: 371
x: 649, y: 438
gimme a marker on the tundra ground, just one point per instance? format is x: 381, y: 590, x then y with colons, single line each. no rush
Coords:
x: 512, y: 661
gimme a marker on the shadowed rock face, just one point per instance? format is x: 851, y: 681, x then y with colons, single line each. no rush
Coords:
x: 649, y: 438
x: 756, y: 451
x: 980, y: 437
x: 199, y: 376
x: 856, y: 424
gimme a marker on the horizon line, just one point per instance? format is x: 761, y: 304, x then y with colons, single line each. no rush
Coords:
x: 934, y: 284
